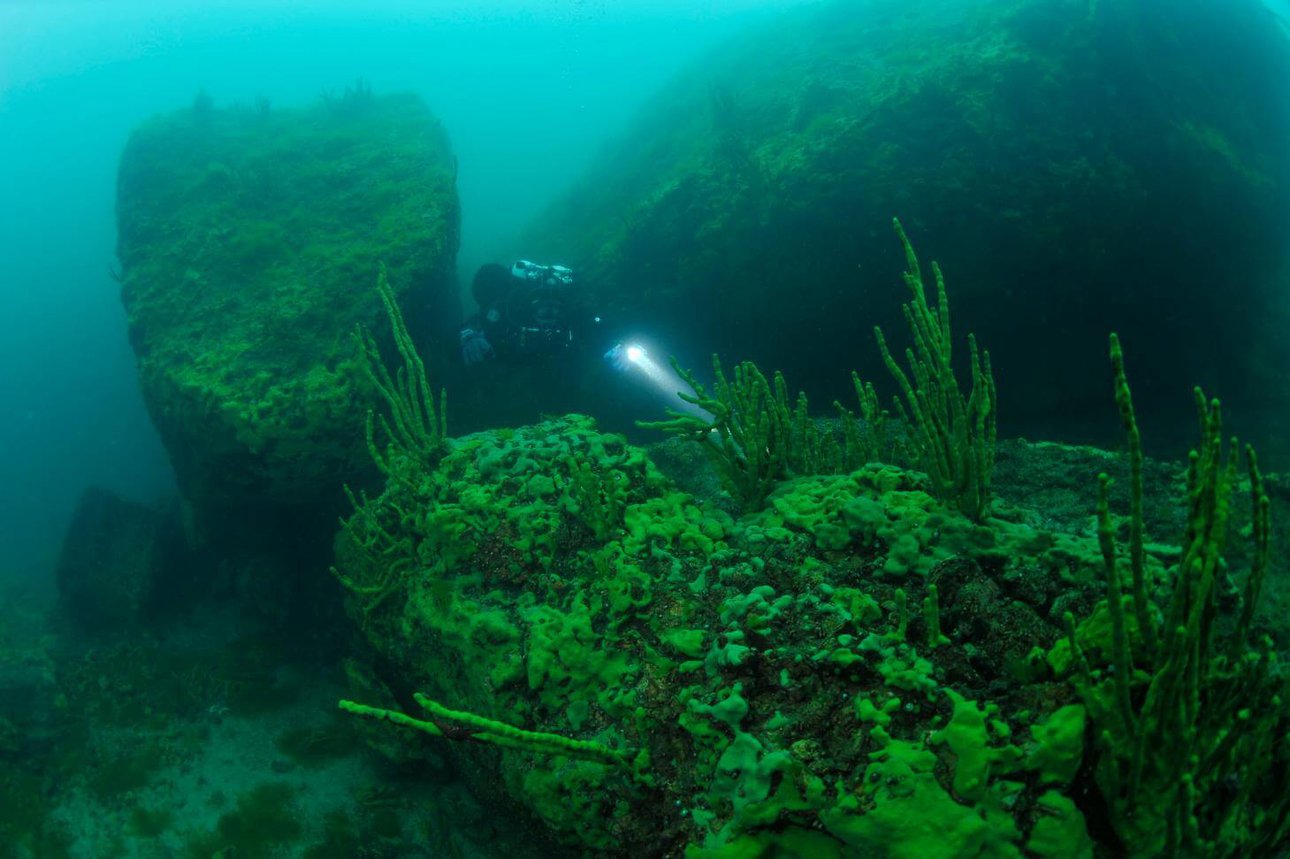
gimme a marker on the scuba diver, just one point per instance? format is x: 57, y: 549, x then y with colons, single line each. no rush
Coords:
x: 531, y: 315
x: 527, y: 312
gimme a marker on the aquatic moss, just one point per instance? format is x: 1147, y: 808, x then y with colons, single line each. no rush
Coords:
x: 652, y: 641
x: 246, y: 242
x: 733, y: 686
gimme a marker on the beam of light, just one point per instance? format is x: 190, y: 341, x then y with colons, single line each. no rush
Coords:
x: 663, y: 379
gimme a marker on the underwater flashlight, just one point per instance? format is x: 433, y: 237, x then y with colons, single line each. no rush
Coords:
x: 633, y: 359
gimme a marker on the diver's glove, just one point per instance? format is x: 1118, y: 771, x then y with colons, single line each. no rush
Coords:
x: 475, y: 348
x: 617, y: 358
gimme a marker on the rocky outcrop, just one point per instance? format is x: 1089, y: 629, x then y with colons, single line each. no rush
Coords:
x: 115, y: 556
x: 1075, y: 167
x: 250, y: 243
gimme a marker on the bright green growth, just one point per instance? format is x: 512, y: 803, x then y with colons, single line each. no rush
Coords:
x: 747, y: 431
x: 562, y: 658
x: 1191, y: 761
x: 244, y: 238
x: 417, y: 426
x: 901, y: 811
x: 968, y: 738
x: 747, y: 776
x: 952, y: 437
x: 755, y: 437
x: 1059, y: 831
x: 875, y: 505
x: 757, y: 660
x: 459, y: 725
x: 687, y: 642
x: 1059, y: 745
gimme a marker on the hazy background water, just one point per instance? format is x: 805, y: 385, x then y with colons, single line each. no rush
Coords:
x: 527, y: 90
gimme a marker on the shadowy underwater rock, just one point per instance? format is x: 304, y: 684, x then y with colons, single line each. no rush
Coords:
x: 1081, y: 167
x: 250, y: 243
x: 115, y: 555
x: 1055, y: 485
x: 31, y: 704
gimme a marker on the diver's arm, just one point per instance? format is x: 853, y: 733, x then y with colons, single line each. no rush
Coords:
x: 474, y: 344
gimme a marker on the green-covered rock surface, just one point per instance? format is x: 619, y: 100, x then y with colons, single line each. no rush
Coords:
x: 1066, y: 155
x: 250, y: 240
x: 853, y: 670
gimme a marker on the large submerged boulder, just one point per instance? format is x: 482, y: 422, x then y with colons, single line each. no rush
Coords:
x: 852, y: 670
x: 250, y: 244
x: 115, y: 556
x: 1080, y: 167
x: 704, y: 680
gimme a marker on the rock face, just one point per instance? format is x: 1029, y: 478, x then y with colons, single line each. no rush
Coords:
x: 1075, y: 167
x: 250, y: 241
x: 114, y: 556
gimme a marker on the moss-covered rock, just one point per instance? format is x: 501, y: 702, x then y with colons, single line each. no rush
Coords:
x: 770, y: 682
x: 250, y: 241
x: 1080, y: 165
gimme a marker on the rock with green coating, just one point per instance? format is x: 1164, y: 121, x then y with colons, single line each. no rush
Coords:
x: 974, y: 756
x: 902, y: 811
x: 1059, y: 744
x: 250, y: 242
x: 1041, y: 143
x: 759, y: 691
x: 1059, y: 832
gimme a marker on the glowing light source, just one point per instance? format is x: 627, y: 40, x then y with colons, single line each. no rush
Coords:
x: 665, y: 382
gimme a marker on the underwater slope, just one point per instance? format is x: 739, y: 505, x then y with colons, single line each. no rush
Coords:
x: 1080, y: 166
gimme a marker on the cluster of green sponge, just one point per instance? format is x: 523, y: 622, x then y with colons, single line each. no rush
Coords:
x: 741, y: 685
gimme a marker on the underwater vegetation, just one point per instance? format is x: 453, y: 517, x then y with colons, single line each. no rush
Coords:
x: 867, y: 659
x: 881, y: 633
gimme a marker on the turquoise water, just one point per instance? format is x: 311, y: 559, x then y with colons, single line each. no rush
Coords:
x: 245, y: 247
